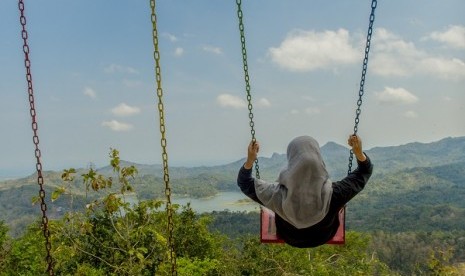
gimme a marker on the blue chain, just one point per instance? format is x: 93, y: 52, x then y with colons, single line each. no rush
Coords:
x: 362, y: 80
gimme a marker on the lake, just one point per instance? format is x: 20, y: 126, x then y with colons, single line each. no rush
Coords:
x: 222, y: 201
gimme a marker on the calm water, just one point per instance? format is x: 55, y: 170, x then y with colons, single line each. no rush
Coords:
x: 220, y: 202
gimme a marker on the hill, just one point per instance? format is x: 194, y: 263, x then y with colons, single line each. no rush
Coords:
x: 426, y: 198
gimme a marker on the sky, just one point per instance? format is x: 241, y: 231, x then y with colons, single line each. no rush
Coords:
x: 94, y: 85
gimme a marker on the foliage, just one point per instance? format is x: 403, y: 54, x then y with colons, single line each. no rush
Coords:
x: 189, y: 267
x: 234, y: 224
x: 4, y: 245
x: 27, y: 254
x: 111, y: 236
x: 439, y: 263
x: 417, y: 252
x: 351, y: 259
x: 192, y: 238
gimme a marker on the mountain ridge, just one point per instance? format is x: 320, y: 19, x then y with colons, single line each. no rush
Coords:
x: 389, y: 158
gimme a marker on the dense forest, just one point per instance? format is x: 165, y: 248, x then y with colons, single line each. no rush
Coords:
x: 407, y: 221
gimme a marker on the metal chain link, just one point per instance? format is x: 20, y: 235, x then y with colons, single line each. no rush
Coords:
x: 166, y: 176
x: 247, y: 82
x: 362, y: 80
x: 35, y: 139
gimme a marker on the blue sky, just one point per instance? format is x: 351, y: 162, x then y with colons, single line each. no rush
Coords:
x: 94, y: 79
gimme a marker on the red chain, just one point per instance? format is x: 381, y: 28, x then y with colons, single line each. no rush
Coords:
x: 35, y: 139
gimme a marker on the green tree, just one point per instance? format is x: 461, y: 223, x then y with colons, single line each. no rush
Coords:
x: 112, y: 236
x: 27, y: 254
x: 192, y: 238
x: 350, y: 259
x: 439, y: 263
x: 4, y: 244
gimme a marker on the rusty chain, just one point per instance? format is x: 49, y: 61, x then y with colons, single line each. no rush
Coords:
x: 35, y: 139
x: 166, y: 177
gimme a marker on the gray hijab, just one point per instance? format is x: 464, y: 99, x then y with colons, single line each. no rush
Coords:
x: 303, y: 192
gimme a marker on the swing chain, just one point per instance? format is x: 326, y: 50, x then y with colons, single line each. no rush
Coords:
x: 166, y: 178
x: 35, y: 139
x: 362, y: 80
x: 247, y: 82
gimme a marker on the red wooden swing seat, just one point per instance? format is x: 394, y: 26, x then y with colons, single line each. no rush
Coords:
x: 268, y: 228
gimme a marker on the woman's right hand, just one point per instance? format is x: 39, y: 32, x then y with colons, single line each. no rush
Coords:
x: 252, y: 153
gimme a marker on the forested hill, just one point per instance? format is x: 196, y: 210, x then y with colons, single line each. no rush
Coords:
x: 445, y: 151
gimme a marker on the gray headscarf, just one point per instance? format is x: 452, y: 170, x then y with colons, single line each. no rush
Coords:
x: 304, y: 190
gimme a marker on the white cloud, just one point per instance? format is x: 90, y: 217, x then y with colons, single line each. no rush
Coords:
x: 444, y: 68
x: 227, y: 100
x: 394, y: 96
x: 178, y: 52
x: 453, y: 37
x: 310, y: 50
x: 124, y: 110
x: 396, y: 57
x: 117, y: 126
x: 411, y: 114
x: 263, y: 103
x: 89, y: 92
x: 171, y: 37
x: 116, y: 68
x: 212, y: 49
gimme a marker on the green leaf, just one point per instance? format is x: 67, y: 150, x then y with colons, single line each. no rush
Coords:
x: 140, y: 256
x: 57, y: 193
x: 35, y: 200
x: 67, y: 175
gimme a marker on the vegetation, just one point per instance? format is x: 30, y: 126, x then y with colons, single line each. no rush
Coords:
x: 420, y: 253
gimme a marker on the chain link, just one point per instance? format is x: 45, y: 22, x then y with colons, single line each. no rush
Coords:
x: 166, y: 176
x: 247, y: 82
x: 35, y: 139
x: 362, y: 80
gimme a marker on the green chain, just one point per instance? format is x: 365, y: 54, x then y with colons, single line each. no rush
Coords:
x: 166, y: 176
x: 247, y: 82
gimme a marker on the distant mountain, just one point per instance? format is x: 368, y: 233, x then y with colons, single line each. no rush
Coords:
x: 386, y: 159
x: 445, y: 151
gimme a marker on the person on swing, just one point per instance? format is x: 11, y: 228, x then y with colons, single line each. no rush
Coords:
x: 305, y: 201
